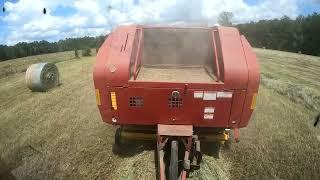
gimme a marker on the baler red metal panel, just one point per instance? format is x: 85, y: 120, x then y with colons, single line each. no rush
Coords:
x: 99, y: 77
x: 238, y: 98
x: 221, y: 116
x: 253, y: 81
x: 239, y: 71
x: 117, y: 61
x: 235, y: 71
x: 205, y: 86
x: 111, y: 67
x: 156, y: 110
x: 138, y: 56
x: 100, y: 82
x: 106, y: 114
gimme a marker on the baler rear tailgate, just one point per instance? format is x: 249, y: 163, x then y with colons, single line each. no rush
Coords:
x: 151, y: 106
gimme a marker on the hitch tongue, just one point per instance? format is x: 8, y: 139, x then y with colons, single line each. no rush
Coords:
x: 196, y: 153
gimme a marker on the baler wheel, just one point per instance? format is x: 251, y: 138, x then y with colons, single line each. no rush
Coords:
x: 215, y: 150
x: 173, y: 168
x: 212, y: 149
x: 117, y: 137
x: 117, y: 147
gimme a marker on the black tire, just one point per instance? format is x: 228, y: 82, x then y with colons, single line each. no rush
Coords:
x: 117, y: 147
x: 173, y: 168
x: 216, y: 150
x: 117, y: 137
x: 211, y: 149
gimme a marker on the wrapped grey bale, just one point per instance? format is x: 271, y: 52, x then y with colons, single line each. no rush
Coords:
x: 42, y: 76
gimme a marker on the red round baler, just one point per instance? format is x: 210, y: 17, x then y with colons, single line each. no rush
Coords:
x: 177, y: 86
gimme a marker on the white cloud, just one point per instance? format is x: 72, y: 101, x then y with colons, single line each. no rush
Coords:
x: 95, y: 17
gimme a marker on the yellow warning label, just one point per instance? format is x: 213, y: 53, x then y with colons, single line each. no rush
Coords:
x: 98, y: 97
x: 253, y: 102
x: 113, y: 100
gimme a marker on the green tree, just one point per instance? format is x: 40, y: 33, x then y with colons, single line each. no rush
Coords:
x: 40, y: 47
x: 225, y: 18
x: 76, y: 53
x: 298, y: 35
x: 86, y: 52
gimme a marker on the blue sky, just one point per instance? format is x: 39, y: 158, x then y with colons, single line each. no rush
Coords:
x: 23, y: 20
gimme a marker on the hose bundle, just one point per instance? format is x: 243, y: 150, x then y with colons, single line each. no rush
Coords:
x: 42, y: 76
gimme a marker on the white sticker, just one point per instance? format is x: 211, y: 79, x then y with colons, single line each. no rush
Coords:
x: 209, y: 95
x: 209, y: 110
x: 198, y: 94
x: 224, y: 94
x: 208, y: 116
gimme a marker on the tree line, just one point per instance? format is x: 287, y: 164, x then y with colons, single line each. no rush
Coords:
x: 24, y: 49
x: 300, y: 35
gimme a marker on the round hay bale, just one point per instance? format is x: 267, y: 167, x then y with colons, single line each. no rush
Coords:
x: 42, y: 76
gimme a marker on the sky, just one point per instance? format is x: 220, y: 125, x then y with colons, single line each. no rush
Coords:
x: 23, y: 20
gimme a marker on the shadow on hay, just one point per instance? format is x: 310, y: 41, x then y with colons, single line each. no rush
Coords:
x: 132, y: 148
x: 5, y: 171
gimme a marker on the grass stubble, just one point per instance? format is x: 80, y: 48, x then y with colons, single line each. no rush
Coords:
x: 59, y: 134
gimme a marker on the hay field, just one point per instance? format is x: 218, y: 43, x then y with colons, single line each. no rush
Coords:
x: 59, y: 134
x: 281, y: 141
